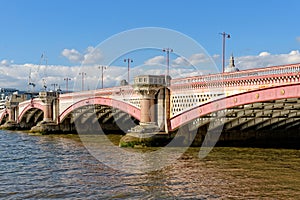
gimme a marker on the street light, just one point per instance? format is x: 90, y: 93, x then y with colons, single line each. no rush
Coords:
x: 102, y: 68
x: 128, y: 60
x: 166, y: 91
x: 167, y: 50
x: 44, y: 58
x: 67, y: 81
x: 82, y: 80
x: 225, y: 35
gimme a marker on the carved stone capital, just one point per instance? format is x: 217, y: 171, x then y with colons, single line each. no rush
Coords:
x: 147, y: 91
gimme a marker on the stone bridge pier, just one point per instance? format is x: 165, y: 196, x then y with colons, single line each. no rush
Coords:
x: 12, y: 110
x: 50, y: 103
x: 147, y: 104
x: 154, y: 109
x: 152, y: 90
x: 50, y: 109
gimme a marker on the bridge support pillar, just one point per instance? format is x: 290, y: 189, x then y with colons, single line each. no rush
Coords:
x: 48, y: 125
x: 148, y: 132
x: 148, y: 108
x: 13, y: 111
x: 11, y: 114
x: 48, y: 112
x: 11, y: 123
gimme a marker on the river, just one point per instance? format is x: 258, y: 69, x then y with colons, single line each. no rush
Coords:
x: 60, y: 167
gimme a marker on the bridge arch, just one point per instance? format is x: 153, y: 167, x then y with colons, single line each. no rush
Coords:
x: 112, y: 114
x: 31, y: 118
x: 3, y: 116
x: 251, y: 97
x: 30, y: 107
x: 123, y: 106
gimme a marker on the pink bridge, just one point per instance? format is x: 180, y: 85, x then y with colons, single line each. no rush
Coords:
x: 266, y: 98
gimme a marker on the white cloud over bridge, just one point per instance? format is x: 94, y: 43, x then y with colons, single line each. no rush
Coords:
x: 91, y: 55
x: 16, y: 75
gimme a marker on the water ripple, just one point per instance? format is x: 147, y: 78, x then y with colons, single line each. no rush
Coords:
x: 59, y: 167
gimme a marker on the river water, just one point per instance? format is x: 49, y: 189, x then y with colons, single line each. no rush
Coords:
x: 60, y: 167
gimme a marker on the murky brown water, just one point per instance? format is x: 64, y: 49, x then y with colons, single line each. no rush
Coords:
x: 59, y: 167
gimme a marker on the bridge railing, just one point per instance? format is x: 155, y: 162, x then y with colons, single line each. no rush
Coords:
x: 121, y: 93
x: 268, y: 71
x: 263, y: 77
x: 118, y: 90
x: 195, y: 91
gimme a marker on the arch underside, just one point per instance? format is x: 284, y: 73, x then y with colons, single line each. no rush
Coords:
x: 89, y: 118
x: 31, y: 118
x: 281, y: 114
x: 275, y: 108
x: 28, y: 110
x: 4, y: 117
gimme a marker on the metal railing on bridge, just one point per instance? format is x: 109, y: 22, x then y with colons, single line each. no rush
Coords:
x: 268, y: 71
x: 270, y: 76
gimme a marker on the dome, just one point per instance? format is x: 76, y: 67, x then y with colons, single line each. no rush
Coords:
x: 231, y: 67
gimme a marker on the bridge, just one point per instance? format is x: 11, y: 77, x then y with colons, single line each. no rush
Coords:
x: 253, y: 101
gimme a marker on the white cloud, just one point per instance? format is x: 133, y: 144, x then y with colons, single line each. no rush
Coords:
x: 180, y: 61
x: 216, y: 56
x: 266, y: 59
x: 198, y: 58
x: 157, y: 60
x: 193, y: 60
x: 294, y: 52
x: 264, y: 53
x: 72, y: 55
x: 16, y: 75
x: 92, y: 55
x: 6, y: 62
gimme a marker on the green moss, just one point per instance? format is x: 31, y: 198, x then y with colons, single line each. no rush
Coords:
x: 135, y: 142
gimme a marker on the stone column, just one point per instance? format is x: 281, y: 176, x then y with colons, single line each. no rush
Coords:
x: 48, y: 112
x: 147, y: 87
x: 152, y: 111
x: 150, y: 123
x: 147, y: 109
x: 13, y: 111
x: 167, y: 110
x: 161, y: 109
x: 49, y: 126
x: 11, y: 114
x: 48, y: 98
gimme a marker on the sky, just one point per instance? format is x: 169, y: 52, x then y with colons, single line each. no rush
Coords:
x: 51, y: 40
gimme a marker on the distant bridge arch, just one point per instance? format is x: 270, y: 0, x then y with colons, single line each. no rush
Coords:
x: 3, y: 115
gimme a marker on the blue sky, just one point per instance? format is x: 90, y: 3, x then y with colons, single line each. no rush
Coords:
x: 32, y: 27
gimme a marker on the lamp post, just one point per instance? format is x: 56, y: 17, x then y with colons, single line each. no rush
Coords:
x: 224, y: 35
x: 44, y: 58
x: 167, y: 50
x: 102, y: 68
x: 67, y: 83
x: 166, y: 91
x: 128, y: 60
x: 82, y: 80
